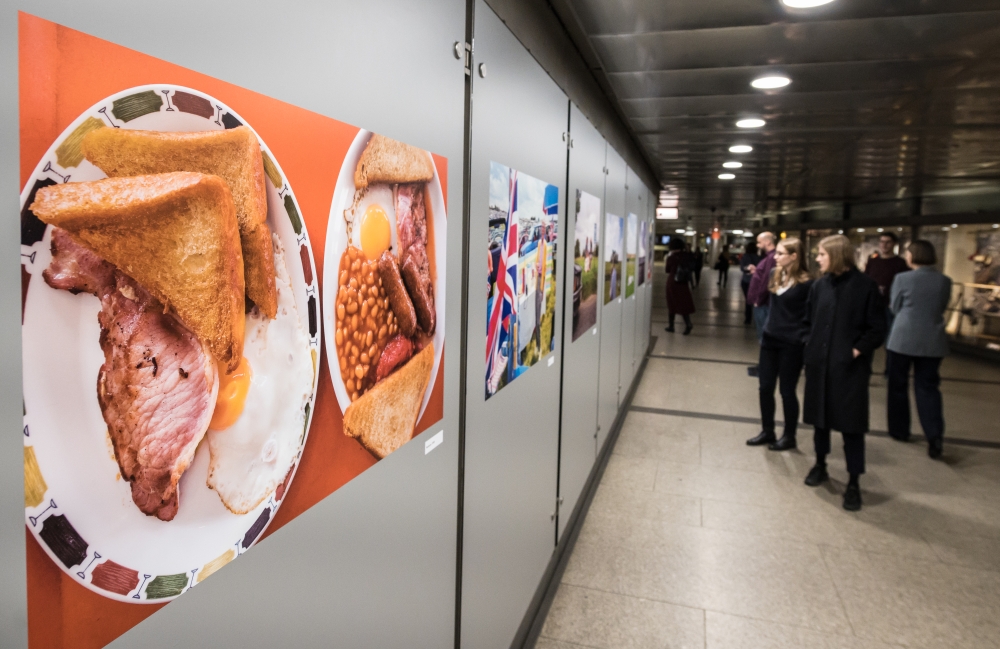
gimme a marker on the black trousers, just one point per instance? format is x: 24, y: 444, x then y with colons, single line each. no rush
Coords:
x: 926, y: 389
x: 780, y: 363
x: 723, y: 277
x: 854, y: 449
x: 697, y: 276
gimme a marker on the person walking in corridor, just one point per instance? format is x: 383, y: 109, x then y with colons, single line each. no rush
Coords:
x: 847, y: 324
x: 784, y: 338
x: 918, y: 301
x: 757, y: 293
x: 699, y: 263
x: 679, y: 300
x: 722, y: 265
x: 748, y: 262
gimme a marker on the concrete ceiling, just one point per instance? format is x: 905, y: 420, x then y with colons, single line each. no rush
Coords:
x: 894, y: 105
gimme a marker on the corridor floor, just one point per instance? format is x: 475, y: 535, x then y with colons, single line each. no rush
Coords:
x: 695, y: 540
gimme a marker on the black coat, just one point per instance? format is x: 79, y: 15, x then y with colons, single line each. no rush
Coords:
x: 845, y: 312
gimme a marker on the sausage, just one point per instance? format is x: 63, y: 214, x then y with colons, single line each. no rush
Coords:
x: 420, y: 294
x: 397, y: 351
x: 392, y: 282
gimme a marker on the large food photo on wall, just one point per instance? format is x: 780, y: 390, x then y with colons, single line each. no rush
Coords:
x: 384, y: 289
x: 170, y: 342
x: 521, y: 274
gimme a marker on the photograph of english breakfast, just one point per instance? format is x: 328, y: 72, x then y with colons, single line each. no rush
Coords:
x: 170, y: 342
x: 384, y: 290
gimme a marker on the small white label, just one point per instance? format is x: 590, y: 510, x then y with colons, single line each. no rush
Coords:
x: 433, y: 442
x: 552, y: 360
x: 594, y: 331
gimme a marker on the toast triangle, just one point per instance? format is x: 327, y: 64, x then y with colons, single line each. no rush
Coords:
x: 233, y: 154
x: 383, y: 418
x: 385, y: 160
x: 173, y: 233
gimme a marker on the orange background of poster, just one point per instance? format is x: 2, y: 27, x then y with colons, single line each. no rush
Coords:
x: 64, y: 72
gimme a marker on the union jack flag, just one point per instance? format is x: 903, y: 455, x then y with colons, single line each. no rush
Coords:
x: 498, y: 329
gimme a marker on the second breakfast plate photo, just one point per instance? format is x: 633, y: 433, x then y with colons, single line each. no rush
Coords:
x: 384, y: 289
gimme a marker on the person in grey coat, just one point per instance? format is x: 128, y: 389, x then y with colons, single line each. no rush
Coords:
x: 918, y: 301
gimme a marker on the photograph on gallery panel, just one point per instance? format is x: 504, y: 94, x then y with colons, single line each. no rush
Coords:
x: 613, y: 244
x: 521, y: 274
x: 640, y: 259
x: 631, y: 239
x: 186, y: 260
x: 586, y: 256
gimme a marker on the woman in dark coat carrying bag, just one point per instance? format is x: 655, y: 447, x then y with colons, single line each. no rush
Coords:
x: 847, y: 324
x: 679, y: 274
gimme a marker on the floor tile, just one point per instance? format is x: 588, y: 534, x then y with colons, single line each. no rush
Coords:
x: 608, y: 620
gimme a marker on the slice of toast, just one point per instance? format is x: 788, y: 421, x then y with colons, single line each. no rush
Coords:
x: 385, y: 160
x: 234, y: 155
x: 175, y: 234
x: 383, y: 418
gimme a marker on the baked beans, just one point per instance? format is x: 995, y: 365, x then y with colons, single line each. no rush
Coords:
x: 365, y: 321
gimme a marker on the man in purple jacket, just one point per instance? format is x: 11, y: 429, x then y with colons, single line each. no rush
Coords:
x: 757, y: 294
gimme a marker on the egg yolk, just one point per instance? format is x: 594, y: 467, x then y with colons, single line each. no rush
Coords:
x: 233, y: 389
x: 376, y: 235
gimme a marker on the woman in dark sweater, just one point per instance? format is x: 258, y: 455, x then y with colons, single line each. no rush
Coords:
x: 847, y: 319
x: 784, y: 337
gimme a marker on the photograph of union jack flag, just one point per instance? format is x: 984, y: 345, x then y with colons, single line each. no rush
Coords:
x: 521, y: 278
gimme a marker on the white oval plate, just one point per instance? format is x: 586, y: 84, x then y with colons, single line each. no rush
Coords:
x: 336, y: 244
x: 63, y: 426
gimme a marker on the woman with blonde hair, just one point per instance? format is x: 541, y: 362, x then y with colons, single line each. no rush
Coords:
x: 847, y: 324
x: 784, y: 338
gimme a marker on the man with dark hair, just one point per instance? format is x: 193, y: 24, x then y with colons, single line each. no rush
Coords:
x: 883, y: 266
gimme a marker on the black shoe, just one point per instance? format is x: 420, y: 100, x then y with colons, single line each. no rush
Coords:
x: 852, y: 498
x: 817, y: 475
x: 935, y: 448
x: 786, y: 443
x: 753, y: 370
x: 763, y: 438
x: 900, y: 438
x: 688, y: 329
x: 669, y: 330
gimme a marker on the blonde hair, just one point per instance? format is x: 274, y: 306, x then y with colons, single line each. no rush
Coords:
x: 840, y: 250
x: 797, y: 272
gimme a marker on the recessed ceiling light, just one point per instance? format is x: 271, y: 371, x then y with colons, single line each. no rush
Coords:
x: 861, y: 229
x: 680, y: 231
x: 954, y: 225
x: 881, y: 230
x: 805, y: 4
x: 750, y: 122
x: 737, y: 231
x: 996, y: 225
x: 770, y: 82
x: 740, y: 148
x: 946, y: 229
x: 726, y: 176
x: 732, y: 165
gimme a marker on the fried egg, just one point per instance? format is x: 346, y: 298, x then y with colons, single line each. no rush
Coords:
x: 254, y: 450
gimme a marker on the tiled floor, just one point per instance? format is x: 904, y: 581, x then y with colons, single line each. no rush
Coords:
x: 696, y: 540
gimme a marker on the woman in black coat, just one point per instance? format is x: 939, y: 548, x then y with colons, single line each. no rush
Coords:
x: 847, y: 324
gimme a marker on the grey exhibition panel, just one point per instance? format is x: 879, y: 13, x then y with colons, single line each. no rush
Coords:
x: 374, y: 563
x: 519, y: 116
x: 611, y: 313
x: 581, y: 358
